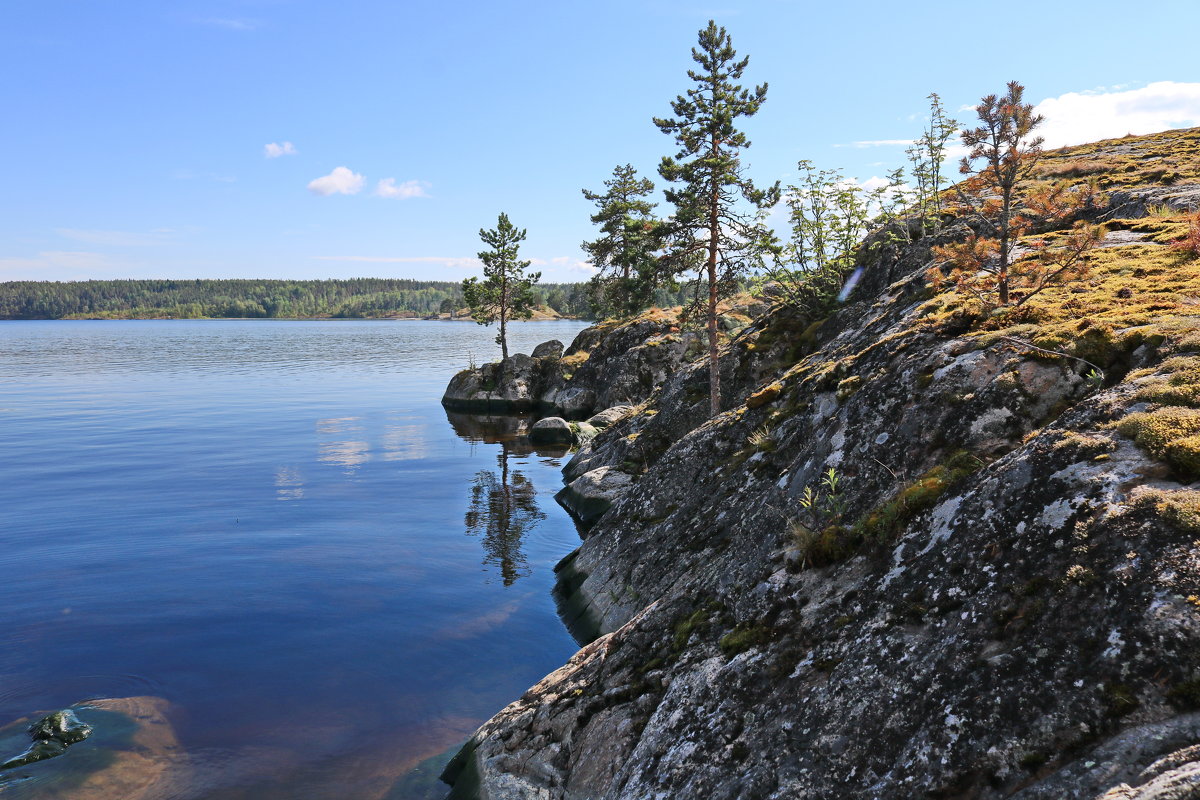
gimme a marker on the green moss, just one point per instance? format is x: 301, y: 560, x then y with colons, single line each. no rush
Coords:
x: 652, y: 664
x: 885, y: 521
x: 1180, y: 508
x: 847, y: 387
x: 1169, y: 434
x: 765, y: 395
x: 684, y: 629
x: 828, y: 546
x: 826, y: 664
x: 745, y: 636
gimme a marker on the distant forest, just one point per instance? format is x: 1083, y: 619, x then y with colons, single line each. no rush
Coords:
x: 356, y: 298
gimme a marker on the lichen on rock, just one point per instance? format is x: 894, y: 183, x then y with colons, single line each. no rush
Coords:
x: 1001, y: 598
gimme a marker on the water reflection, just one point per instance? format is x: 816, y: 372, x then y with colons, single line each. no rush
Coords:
x: 502, y: 510
x: 404, y: 439
x: 511, y: 431
x: 289, y: 485
x: 336, y: 443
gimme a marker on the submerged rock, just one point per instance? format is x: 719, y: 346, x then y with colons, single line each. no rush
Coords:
x: 39, y: 750
x: 51, y: 735
x: 61, y: 725
x: 131, y: 754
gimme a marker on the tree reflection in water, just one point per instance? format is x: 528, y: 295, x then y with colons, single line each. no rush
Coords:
x: 502, y: 510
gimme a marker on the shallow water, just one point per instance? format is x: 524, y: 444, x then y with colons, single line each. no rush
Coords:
x: 276, y: 529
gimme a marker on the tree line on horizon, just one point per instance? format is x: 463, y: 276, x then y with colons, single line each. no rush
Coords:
x: 353, y: 298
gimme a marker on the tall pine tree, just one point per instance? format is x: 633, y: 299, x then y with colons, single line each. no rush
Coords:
x: 717, y: 228
x: 506, y: 292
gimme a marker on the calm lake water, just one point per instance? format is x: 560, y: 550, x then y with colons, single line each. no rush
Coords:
x: 274, y: 528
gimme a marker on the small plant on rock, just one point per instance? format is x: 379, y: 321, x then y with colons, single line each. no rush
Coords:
x: 1189, y: 245
x: 817, y: 532
x: 761, y: 440
x: 827, y: 504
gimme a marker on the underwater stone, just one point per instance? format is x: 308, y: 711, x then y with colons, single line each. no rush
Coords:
x: 61, y: 725
x: 38, y: 751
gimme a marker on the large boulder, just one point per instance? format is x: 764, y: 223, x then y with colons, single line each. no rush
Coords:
x: 505, y: 387
x: 609, y: 415
x: 593, y: 493
x: 551, y: 430
x: 572, y: 402
x: 551, y: 349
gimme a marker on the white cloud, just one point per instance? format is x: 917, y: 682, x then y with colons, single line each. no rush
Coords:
x: 874, y: 182
x: 115, y: 238
x: 388, y: 188
x: 565, y: 263
x: 277, y: 149
x: 1079, y: 117
x: 340, y: 181
x: 454, y: 262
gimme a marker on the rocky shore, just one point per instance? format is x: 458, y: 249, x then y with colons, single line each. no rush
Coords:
x: 922, y: 553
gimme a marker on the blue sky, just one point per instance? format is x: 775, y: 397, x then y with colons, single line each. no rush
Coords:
x: 249, y: 138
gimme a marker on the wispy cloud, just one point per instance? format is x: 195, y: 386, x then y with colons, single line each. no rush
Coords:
x: 341, y: 181
x: 1078, y: 117
x: 56, y: 265
x: 388, y: 188
x: 115, y: 238
x: 877, y: 143
x: 232, y: 24
x: 454, y: 262
x: 277, y: 149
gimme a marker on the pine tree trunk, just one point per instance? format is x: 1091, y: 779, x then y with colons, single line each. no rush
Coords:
x: 503, y: 320
x: 1002, y: 274
x: 714, y: 372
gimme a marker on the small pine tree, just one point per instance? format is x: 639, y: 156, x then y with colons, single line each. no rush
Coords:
x: 982, y: 266
x: 625, y: 253
x: 1009, y: 152
x: 506, y: 292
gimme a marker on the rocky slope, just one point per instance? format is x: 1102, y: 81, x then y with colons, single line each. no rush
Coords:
x: 995, y: 593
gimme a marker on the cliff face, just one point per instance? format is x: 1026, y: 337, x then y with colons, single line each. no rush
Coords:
x: 998, y: 595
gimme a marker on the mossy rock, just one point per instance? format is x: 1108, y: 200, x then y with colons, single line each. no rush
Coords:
x: 743, y: 637
x: 765, y: 395
x: 1171, y: 434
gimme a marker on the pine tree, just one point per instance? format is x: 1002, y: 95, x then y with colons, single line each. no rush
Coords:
x: 625, y: 253
x: 1009, y: 152
x: 506, y: 292
x: 711, y: 231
